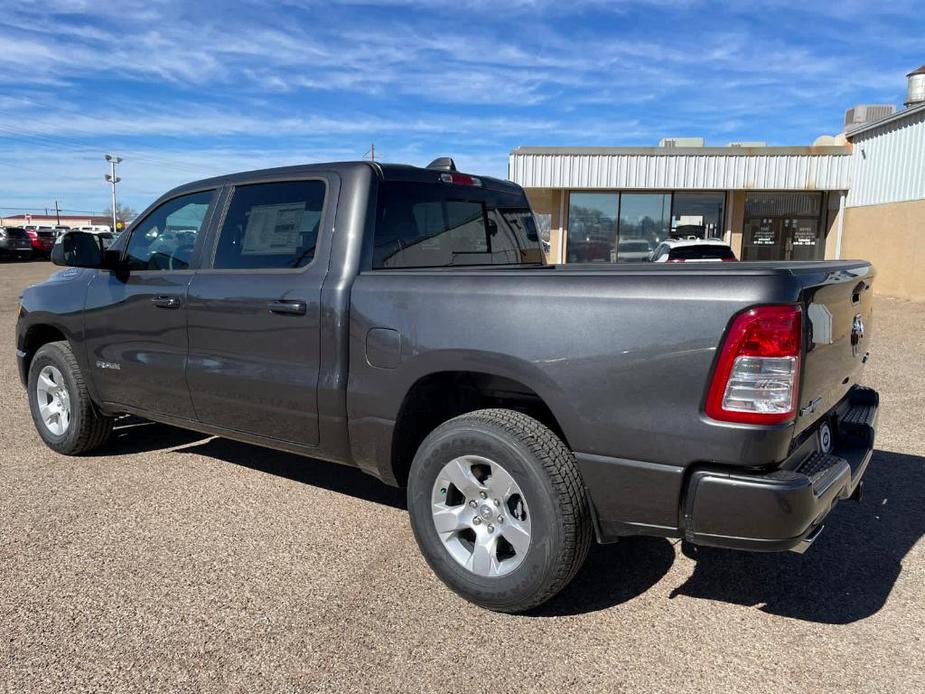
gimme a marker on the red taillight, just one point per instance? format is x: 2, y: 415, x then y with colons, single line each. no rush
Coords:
x: 756, y: 378
x: 32, y: 235
x: 460, y: 179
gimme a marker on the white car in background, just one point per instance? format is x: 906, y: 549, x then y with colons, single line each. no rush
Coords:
x: 633, y: 251
x: 95, y: 229
x: 693, y: 251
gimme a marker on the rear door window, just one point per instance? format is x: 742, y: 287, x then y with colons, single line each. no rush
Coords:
x: 441, y: 225
x: 271, y: 226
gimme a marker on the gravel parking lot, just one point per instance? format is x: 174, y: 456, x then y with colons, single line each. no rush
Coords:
x: 177, y: 562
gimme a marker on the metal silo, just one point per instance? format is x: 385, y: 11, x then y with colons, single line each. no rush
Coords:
x: 916, y: 93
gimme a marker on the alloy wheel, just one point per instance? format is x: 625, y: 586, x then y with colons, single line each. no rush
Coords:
x: 53, y: 400
x: 481, y: 515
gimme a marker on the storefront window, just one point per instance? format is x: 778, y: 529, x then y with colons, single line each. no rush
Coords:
x: 626, y: 227
x: 592, y: 228
x: 644, y: 220
x: 698, y: 214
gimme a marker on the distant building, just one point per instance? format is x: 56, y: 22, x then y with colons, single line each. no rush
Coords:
x: 50, y: 220
x: 858, y: 195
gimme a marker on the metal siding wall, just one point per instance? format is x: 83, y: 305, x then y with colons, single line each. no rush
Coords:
x: 888, y: 163
x: 681, y: 171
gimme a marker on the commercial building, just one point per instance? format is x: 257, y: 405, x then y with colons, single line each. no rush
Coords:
x: 885, y: 214
x: 50, y: 220
x: 860, y: 194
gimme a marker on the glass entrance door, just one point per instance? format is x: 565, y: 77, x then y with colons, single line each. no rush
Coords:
x: 783, y: 226
x: 782, y: 238
x: 762, y: 239
x: 803, y: 240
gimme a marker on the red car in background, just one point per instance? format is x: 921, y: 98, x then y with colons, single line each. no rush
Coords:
x: 43, y: 238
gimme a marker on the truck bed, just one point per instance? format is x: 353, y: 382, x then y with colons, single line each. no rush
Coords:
x: 621, y: 354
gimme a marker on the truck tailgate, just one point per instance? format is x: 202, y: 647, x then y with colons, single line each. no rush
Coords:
x: 838, y: 312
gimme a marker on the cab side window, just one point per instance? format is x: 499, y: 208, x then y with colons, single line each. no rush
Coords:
x: 271, y: 226
x: 166, y: 238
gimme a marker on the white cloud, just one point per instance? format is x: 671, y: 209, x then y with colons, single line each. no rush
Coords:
x: 186, y: 89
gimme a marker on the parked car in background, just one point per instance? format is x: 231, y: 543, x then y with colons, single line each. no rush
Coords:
x: 633, y: 251
x: 593, y: 248
x: 42, y: 239
x: 692, y: 250
x: 398, y: 319
x: 15, y: 243
x: 95, y: 228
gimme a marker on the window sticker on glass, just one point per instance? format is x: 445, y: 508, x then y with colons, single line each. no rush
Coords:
x: 273, y: 229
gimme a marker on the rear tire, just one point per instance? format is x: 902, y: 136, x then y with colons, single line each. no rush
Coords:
x: 515, y: 526
x: 62, y: 411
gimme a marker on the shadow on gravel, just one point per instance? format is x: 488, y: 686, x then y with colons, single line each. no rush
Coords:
x: 135, y: 435
x: 851, y: 568
x: 318, y: 473
x: 612, y: 574
x: 845, y: 576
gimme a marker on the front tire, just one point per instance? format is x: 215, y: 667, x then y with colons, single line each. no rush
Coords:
x: 62, y: 411
x: 498, y: 509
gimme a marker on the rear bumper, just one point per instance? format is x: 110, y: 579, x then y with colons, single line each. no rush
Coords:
x: 738, y: 508
x: 14, y: 247
x: 785, y: 509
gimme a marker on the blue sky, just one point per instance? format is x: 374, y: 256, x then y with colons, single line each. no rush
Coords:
x: 184, y: 90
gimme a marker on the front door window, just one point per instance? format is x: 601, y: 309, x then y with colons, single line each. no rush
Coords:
x: 166, y: 238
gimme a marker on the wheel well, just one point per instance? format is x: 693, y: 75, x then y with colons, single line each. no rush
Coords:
x: 441, y: 396
x: 36, y: 337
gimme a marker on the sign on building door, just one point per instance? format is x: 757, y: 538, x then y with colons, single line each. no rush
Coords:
x: 804, y: 235
x: 765, y: 235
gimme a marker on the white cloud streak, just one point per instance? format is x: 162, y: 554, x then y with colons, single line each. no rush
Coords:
x: 200, y: 88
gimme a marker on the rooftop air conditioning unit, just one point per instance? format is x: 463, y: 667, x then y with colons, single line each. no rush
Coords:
x: 681, y: 142
x: 865, y: 113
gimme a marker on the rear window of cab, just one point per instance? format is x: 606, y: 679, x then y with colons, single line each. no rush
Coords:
x: 422, y: 225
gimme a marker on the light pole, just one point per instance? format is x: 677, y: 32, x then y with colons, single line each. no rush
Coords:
x: 113, y: 179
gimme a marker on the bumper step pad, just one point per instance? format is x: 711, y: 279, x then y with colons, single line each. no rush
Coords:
x: 822, y: 469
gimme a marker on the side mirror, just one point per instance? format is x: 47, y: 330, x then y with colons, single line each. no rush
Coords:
x: 79, y: 249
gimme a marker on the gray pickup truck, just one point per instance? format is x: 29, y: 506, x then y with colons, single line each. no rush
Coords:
x: 402, y: 320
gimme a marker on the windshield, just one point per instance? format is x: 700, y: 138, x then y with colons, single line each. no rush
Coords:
x: 440, y: 225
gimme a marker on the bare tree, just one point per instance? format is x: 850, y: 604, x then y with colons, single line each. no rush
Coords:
x: 123, y: 212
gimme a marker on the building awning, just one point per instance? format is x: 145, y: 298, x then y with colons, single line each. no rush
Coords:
x: 682, y: 168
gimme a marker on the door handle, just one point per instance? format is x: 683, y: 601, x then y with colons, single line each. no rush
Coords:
x: 296, y: 308
x: 166, y: 301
